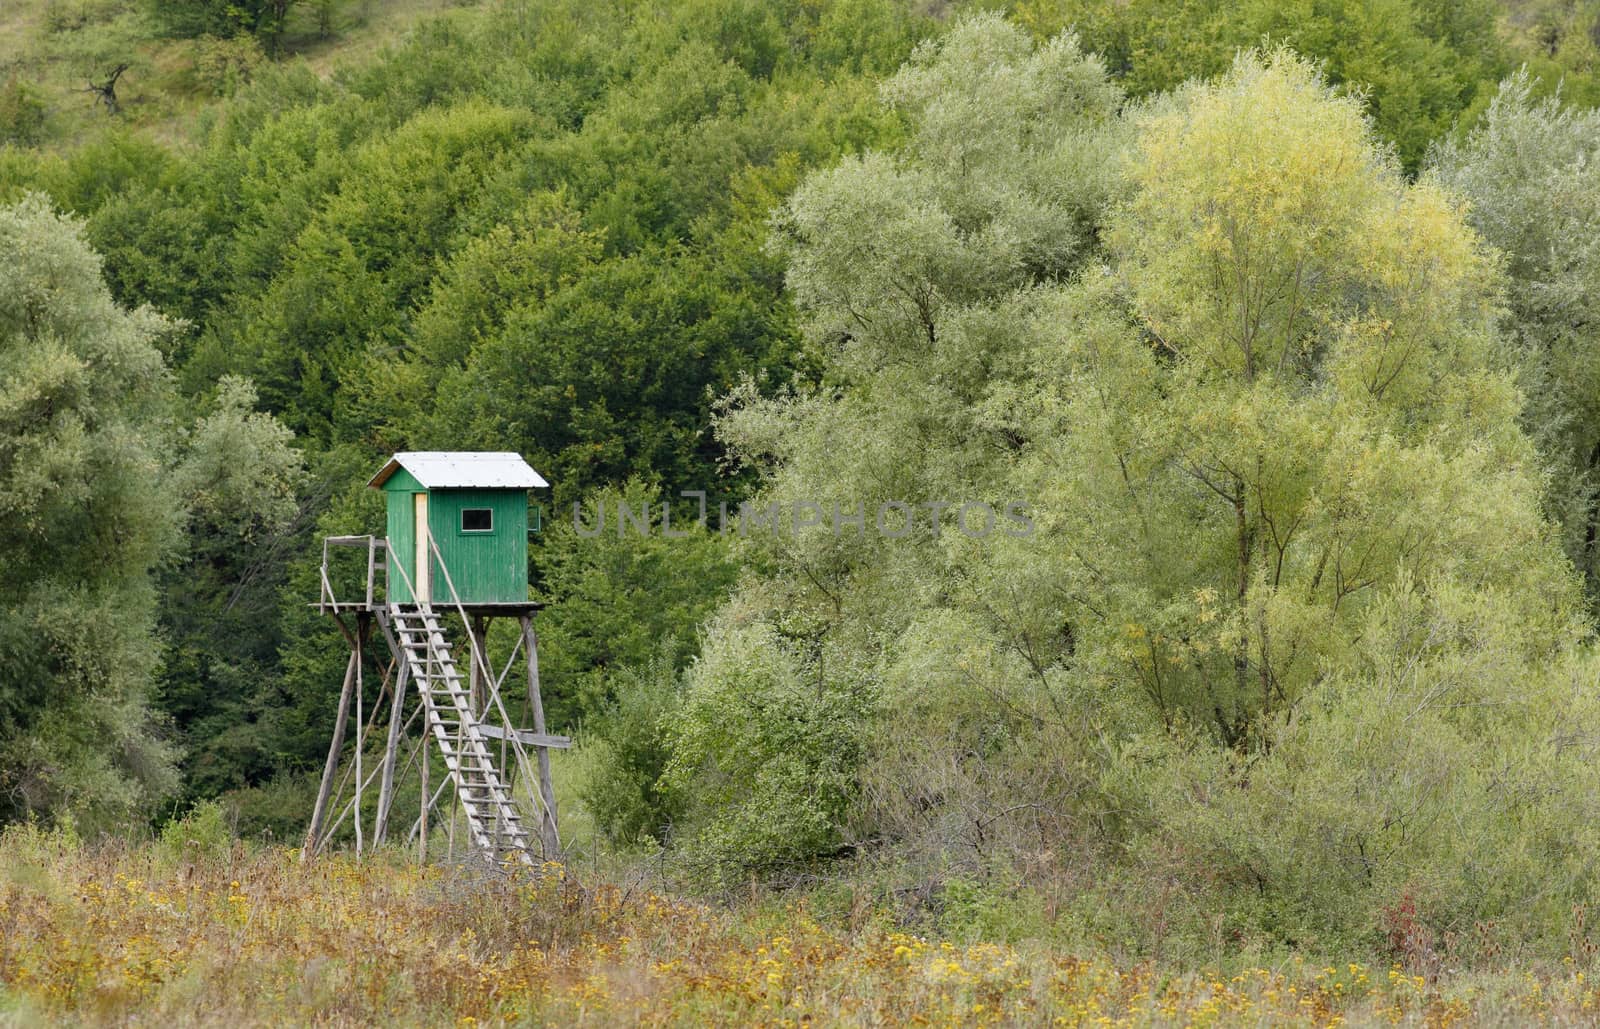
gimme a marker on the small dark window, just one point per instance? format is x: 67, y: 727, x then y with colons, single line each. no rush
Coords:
x: 477, y: 519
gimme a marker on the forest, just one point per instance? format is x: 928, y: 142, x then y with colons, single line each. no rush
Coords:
x: 1275, y: 325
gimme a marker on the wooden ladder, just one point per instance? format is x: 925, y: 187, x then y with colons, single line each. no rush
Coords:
x: 493, y: 821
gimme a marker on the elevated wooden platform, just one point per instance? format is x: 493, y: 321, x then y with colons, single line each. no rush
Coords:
x: 373, y: 595
x: 501, y: 610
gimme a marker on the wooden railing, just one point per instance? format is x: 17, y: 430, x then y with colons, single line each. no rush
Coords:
x: 377, y: 558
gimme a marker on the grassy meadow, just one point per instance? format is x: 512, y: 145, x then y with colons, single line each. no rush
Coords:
x: 198, y: 929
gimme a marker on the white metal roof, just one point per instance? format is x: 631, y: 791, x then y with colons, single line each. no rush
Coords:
x: 463, y: 469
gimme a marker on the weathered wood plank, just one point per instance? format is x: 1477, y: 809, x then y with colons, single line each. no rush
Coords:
x: 547, y: 826
x: 526, y: 737
x: 320, y: 812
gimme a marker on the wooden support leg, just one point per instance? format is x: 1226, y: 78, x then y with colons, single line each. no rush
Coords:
x: 362, y: 623
x: 320, y: 812
x: 422, y: 834
x: 476, y: 667
x: 547, y: 825
x: 455, y: 813
x: 391, y: 752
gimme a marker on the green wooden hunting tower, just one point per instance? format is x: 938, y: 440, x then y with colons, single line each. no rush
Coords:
x: 457, y: 545
x: 474, y: 509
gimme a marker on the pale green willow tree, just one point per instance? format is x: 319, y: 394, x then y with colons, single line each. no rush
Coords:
x: 914, y: 272
x: 82, y: 525
x: 1531, y: 171
x: 99, y: 484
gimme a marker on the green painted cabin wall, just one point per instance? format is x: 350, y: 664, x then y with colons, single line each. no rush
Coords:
x: 485, y: 568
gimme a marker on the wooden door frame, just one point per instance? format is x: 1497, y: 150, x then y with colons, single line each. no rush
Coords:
x: 424, y: 553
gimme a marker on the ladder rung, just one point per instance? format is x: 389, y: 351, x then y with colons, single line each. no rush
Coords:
x: 474, y: 766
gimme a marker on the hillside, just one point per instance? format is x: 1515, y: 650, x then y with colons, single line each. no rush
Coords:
x: 51, y: 51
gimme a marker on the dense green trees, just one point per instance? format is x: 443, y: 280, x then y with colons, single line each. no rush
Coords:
x: 1532, y: 177
x: 539, y: 230
x: 104, y: 489
x: 1282, y: 508
x: 1560, y: 42
x: 1419, y: 62
x: 224, y: 18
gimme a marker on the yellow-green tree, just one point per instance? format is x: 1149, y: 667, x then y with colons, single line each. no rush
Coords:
x: 1282, y: 399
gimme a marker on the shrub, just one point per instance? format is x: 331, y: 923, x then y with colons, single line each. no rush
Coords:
x: 764, y: 758
x: 205, y: 832
x: 72, y: 15
x: 1437, y: 785
x: 623, y: 791
x: 222, y: 66
x: 22, y: 112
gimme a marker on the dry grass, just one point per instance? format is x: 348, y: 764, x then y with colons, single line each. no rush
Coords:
x: 366, y: 29
x: 121, y: 933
